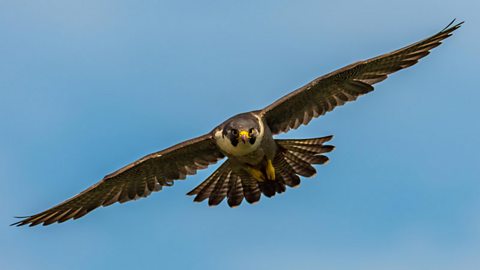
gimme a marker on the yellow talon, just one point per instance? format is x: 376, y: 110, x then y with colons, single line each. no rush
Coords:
x: 255, y: 173
x: 270, y: 170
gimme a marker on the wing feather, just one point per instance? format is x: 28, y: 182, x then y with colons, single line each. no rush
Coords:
x: 346, y: 84
x: 135, y: 180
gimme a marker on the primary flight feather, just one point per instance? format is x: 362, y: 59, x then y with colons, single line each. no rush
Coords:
x: 256, y: 162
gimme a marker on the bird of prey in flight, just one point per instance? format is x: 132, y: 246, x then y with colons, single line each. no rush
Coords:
x: 256, y: 162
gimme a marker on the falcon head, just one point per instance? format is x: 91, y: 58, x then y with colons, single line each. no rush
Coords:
x: 242, y: 130
x: 240, y: 135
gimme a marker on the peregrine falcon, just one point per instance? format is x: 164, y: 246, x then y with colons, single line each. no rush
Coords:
x: 256, y: 162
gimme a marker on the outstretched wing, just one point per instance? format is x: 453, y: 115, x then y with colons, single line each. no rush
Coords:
x: 135, y: 180
x: 346, y: 84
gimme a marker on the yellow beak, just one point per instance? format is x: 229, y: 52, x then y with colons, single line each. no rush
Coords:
x: 244, y: 136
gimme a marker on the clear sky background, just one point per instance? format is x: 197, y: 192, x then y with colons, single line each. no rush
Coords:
x: 89, y: 86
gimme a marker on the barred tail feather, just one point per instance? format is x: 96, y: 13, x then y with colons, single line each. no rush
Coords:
x: 221, y: 189
x: 284, y: 171
x: 213, y: 186
x: 251, y: 190
x: 307, y: 150
x: 235, y: 192
x: 295, y: 157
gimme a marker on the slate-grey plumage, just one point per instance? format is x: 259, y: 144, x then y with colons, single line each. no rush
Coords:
x: 256, y: 162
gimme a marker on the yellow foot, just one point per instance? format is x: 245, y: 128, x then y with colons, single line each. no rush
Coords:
x: 255, y: 173
x: 270, y: 170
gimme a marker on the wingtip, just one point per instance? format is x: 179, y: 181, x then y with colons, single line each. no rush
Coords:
x: 327, y: 138
x: 21, y: 222
x: 452, y: 26
x: 17, y: 224
x: 191, y: 193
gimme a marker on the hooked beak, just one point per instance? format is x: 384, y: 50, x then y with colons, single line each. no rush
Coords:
x: 244, y: 136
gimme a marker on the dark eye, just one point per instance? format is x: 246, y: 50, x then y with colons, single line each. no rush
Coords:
x: 251, y: 131
x: 234, y: 132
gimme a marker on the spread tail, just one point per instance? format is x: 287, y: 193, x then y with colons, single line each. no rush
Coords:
x: 293, y: 158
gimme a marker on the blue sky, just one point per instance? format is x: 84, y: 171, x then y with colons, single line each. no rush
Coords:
x: 89, y: 86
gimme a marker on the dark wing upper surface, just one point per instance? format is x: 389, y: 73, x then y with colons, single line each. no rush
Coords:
x: 346, y: 84
x: 135, y: 180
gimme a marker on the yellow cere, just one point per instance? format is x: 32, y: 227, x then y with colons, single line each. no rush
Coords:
x: 244, y: 133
